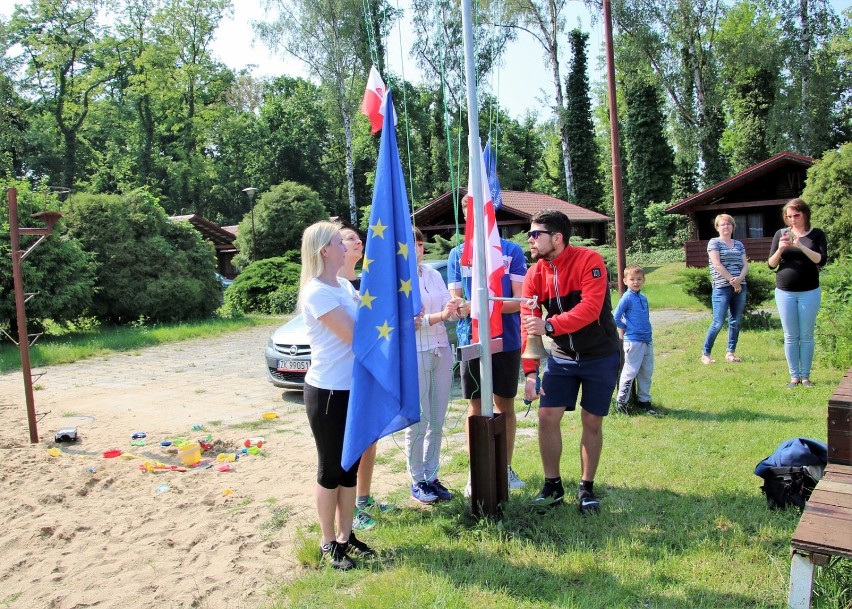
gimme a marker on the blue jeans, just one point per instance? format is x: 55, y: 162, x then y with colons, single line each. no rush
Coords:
x: 726, y: 302
x: 798, y: 311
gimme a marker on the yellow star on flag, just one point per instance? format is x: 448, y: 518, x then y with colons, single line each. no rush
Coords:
x: 405, y: 286
x: 378, y: 229
x: 384, y: 330
x: 366, y: 264
x: 367, y: 300
x: 403, y: 249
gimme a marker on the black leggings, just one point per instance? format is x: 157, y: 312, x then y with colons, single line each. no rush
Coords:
x: 326, y: 410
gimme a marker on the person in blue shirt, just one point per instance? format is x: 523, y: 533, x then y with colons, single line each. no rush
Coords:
x: 506, y: 365
x: 633, y: 319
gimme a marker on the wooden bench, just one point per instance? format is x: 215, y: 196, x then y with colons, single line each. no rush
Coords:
x: 825, y: 529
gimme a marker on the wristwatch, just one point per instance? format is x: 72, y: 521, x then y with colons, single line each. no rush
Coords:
x: 548, y: 328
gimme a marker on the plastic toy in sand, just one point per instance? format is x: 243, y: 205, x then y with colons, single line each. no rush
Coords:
x: 66, y: 434
x: 258, y: 441
x: 269, y: 415
x: 112, y: 453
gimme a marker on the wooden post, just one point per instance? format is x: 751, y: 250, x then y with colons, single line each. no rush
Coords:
x: 489, y: 466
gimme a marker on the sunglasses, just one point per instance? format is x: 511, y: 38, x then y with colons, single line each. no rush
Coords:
x: 535, y: 233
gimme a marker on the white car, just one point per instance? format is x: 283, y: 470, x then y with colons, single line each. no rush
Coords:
x: 288, y: 355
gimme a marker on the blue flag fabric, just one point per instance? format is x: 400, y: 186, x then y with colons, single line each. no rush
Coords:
x: 491, y: 170
x: 385, y: 394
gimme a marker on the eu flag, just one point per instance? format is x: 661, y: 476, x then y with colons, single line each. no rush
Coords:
x: 385, y: 395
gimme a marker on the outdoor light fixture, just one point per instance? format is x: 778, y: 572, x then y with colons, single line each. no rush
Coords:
x: 250, y: 192
x: 49, y: 218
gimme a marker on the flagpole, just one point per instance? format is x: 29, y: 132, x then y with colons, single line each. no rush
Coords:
x: 489, y: 484
x: 486, y: 384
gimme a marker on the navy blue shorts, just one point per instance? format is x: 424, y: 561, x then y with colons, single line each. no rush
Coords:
x: 563, y: 379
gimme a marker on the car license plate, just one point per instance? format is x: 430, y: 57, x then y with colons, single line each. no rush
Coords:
x: 294, y: 365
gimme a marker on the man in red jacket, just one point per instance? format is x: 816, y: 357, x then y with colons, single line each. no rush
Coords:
x: 571, y: 284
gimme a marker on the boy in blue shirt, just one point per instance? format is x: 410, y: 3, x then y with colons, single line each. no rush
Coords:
x: 633, y: 319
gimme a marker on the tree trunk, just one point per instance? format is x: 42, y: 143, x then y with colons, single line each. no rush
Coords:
x: 562, y: 121
x: 805, y: 75
x: 350, y: 166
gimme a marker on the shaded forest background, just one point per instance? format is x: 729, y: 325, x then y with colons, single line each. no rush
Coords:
x: 108, y: 97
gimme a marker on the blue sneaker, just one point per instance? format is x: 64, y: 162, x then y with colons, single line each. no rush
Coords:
x: 440, y: 490
x: 422, y: 491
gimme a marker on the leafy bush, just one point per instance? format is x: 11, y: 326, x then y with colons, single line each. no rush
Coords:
x: 828, y: 191
x: 267, y: 286
x: 60, y: 272
x: 760, y: 286
x: 148, y: 267
x: 834, y: 322
x: 281, y: 215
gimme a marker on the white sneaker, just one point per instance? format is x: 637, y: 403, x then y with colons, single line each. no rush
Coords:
x: 515, y: 483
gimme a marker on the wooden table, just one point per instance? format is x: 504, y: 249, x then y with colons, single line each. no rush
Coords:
x: 825, y: 530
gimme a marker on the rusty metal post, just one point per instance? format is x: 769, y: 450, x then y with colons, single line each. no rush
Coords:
x: 20, y: 308
x: 617, y: 197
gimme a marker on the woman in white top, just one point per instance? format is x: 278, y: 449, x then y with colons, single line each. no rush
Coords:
x: 329, y: 304
x: 434, y: 370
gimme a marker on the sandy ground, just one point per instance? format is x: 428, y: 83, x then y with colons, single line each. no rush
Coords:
x: 81, y: 530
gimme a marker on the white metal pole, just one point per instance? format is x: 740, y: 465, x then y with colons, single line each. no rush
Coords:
x: 479, y: 284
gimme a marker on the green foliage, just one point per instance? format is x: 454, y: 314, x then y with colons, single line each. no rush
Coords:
x: 664, y: 230
x: 649, y: 161
x: 834, y: 322
x: 281, y: 215
x: 588, y: 192
x: 828, y: 191
x: 438, y: 247
x: 59, y: 272
x: 269, y: 286
x: 147, y: 266
x: 760, y: 282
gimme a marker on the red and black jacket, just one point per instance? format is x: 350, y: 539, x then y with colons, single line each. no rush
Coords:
x: 574, y: 289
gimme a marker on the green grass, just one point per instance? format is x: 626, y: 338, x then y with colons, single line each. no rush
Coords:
x: 683, y: 525
x: 70, y: 347
x: 663, y: 290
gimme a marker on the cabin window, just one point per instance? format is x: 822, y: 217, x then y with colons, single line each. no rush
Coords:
x: 749, y: 226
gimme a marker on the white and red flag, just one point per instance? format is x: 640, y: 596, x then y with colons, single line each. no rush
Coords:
x: 375, y: 99
x: 494, y: 269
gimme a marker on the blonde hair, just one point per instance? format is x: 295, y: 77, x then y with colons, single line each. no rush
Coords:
x: 633, y: 268
x: 730, y: 219
x: 315, y: 237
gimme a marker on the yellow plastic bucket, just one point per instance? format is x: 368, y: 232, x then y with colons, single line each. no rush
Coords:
x: 190, y: 453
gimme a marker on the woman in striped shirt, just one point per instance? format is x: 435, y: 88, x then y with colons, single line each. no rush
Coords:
x: 728, y: 269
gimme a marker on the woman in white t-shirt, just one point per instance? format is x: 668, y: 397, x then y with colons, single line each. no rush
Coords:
x: 328, y: 305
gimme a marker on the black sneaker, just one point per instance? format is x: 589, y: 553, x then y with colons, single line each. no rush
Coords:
x: 587, y: 502
x: 335, y: 553
x: 648, y: 409
x: 359, y: 548
x: 551, y: 494
x: 440, y: 490
x: 622, y: 407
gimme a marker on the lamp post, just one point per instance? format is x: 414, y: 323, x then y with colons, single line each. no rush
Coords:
x: 49, y: 218
x: 250, y: 192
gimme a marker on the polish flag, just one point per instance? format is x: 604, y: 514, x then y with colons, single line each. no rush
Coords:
x: 494, y: 269
x: 375, y: 99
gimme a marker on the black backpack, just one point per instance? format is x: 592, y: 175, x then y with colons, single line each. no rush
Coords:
x: 789, y: 485
x: 791, y: 472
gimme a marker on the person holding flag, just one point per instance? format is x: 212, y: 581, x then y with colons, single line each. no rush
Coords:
x: 328, y: 304
x: 506, y: 270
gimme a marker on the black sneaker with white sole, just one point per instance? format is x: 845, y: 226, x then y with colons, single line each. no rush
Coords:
x: 552, y: 494
x: 359, y: 548
x: 335, y: 554
x: 587, y: 502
